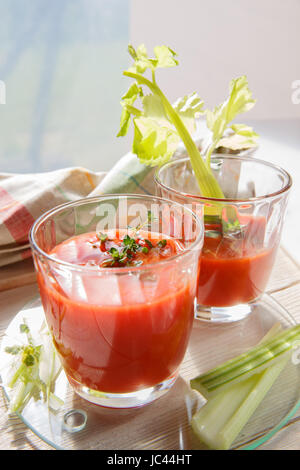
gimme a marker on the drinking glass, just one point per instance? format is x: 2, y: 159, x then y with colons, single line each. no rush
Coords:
x: 242, y: 231
x: 121, y: 332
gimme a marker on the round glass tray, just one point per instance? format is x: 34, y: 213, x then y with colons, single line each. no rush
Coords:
x: 165, y: 423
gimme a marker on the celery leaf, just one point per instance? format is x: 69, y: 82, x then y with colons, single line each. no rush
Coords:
x: 239, y: 137
x: 153, y: 143
x: 239, y: 101
x: 141, y: 59
x: 127, y: 102
x: 165, y: 56
x: 188, y: 108
x: 154, y: 109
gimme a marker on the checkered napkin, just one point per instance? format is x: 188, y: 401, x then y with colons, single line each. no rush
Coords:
x: 23, y: 198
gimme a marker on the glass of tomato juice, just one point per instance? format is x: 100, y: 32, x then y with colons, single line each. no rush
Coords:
x: 242, y: 231
x: 117, y: 276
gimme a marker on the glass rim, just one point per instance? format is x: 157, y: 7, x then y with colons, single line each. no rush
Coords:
x: 274, y: 194
x: 95, y: 269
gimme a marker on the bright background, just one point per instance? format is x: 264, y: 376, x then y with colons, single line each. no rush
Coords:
x: 62, y: 62
x: 218, y: 40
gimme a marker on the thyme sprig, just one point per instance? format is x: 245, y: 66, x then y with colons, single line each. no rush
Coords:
x: 130, y: 246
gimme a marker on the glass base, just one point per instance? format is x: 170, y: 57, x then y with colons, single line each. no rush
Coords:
x: 224, y: 314
x: 123, y: 400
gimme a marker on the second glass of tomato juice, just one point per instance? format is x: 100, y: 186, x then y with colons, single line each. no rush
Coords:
x: 242, y: 231
x: 117, y: 276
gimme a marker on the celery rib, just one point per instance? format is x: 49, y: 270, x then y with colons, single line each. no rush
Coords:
x: 246, y: 364
x: 262, y: 385
x: 206, y: 180
x: 222, y: 418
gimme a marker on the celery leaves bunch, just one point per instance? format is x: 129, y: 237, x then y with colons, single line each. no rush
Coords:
x: 160, y: 126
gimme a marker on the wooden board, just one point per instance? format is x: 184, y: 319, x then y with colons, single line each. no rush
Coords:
x: 17, y: 275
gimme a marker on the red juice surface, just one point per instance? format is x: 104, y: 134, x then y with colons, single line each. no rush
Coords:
x: 118, y: 333
x: 234, y: 271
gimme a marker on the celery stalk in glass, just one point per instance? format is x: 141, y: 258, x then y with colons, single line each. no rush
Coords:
x: 160, y: 126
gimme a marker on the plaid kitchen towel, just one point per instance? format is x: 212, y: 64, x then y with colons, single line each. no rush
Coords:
x: 24, y: 197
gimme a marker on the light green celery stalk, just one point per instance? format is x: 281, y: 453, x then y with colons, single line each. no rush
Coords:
x: 146, y: 134
x: 159, y: 126
x: 222, y: 418
x: 254, y: 361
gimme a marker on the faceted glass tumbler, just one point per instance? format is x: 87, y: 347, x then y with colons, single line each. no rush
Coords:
x: 242, y: 231
x: 121, y: 332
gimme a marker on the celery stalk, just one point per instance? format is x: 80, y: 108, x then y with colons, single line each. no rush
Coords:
x: 208, y: 423
x: 21, y: 369
x: 264, y: 382
x: 21, y: 396
x: 244, y: 366
x: 206, y: 180
x: 221, y: 419
x: 159, y: 126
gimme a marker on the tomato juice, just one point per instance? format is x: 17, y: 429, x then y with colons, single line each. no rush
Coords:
x: 234, y: 270
x: 118, y: 331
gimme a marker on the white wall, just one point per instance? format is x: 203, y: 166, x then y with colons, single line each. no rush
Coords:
x: 217, y: 40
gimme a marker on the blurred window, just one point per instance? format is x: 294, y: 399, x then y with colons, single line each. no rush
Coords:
x: 61, y: 64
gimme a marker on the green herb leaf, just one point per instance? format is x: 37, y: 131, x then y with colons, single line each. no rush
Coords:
x: 102, y: 237
x: 29, y: 360
x: 150, y: 245
x: 14, y: 350
x: 162, y: 243
x: 114, y: 253
x: 130, y: 243
x: 24, y: 328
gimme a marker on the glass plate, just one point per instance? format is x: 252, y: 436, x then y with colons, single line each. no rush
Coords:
x: 165, y: 423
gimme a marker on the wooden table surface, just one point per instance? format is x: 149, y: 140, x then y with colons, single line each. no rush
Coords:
x: 284, y: 286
